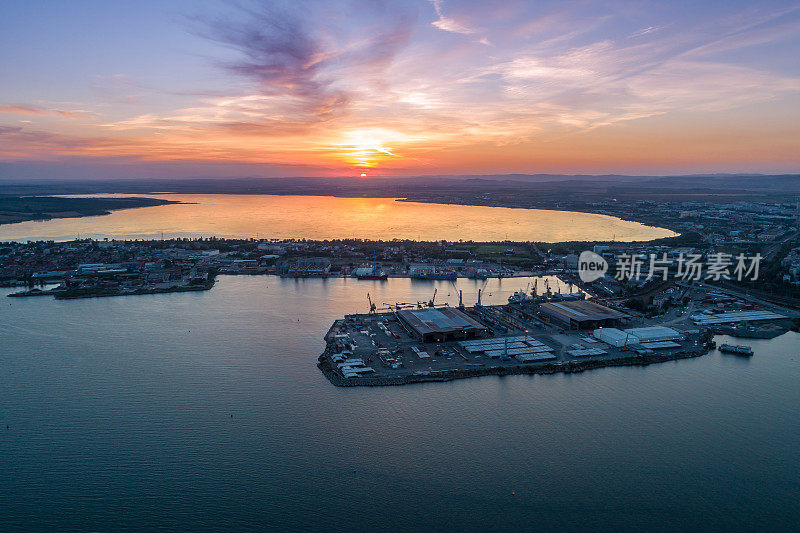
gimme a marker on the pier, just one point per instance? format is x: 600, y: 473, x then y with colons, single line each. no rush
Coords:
x: 440, y: 344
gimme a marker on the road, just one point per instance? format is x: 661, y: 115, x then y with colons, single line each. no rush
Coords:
x: 773, y: 248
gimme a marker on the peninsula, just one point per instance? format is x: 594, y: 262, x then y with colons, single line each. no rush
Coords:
x: 23, y: 208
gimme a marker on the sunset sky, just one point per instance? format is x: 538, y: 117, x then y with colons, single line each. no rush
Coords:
x: 324, y: 88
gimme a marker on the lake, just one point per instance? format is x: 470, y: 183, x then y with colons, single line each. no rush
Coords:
x: 205, y: 411
x: 328, y: 217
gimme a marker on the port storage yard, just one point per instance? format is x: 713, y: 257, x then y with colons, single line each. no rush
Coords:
x: 440, y: 344
x: 532, y: 334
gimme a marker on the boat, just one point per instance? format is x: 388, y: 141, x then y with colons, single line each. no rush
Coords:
x: 519, y: 297
x: 566, y: 297
x: 480, y: 273
x: 435, y: 274
x: 373, y: 272
x: 737, y: 349
x: 380, y: 276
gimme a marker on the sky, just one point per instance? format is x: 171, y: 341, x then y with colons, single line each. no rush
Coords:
x: 98, y: 89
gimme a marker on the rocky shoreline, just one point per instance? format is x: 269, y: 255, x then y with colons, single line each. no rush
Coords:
x: 571, y: 367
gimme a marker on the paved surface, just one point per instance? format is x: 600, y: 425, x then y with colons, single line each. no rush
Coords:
x: 392, y: 355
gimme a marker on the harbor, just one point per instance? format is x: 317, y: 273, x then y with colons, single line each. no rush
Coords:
x: 428, y: 343
x: 251, y: 251
x: 533, y: 333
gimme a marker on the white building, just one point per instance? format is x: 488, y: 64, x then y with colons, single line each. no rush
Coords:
x: 615, y: 337
x: 655, y: 334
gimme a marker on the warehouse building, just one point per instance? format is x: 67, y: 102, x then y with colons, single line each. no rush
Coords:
x: 735, y: 316
x: 655, y: 334
x: 655, y: 337
x: 440, y: 325
x: 581, y: 314
x: 615, y: 337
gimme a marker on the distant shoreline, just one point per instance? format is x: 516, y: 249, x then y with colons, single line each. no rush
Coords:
x: 628, y: 198
x: 89, y: 205
x: 620, y: 216
x: 16, y: 209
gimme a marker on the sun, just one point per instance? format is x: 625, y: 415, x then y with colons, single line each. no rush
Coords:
x: 366, y: 148
x: 363, y: 174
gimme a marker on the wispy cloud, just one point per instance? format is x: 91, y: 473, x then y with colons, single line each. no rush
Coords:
x: 644, y: 31
x: 399, y: 83
x: 446, y: 23
x: 36, y: 111
x: 304, y: 67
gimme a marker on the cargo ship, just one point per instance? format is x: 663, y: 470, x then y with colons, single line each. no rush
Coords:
x: 435, y: 274
x: 373, y: 272
x: 566, y: 296
x: 520, y: 297
x: 480, y: 273
x: 736, y: 349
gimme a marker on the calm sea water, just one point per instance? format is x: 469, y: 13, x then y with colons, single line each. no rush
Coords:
x: 205, y: 411
x: 327, y: 217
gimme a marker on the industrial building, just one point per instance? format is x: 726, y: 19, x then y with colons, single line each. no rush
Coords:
x: 655, y: 334
x: 440, y: 325
x: 615, y: 337
x: 586, y: 352
x: 653, y: 337
x: 523, y: 348
x: 304, y: 267
x: 735, y: 316
x: 581, y: 314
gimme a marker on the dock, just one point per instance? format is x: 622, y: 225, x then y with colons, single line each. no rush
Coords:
x: 406, y: 346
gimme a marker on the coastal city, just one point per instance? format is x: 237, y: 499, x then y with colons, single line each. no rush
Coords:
x: 400, y: 266
x: 770, y: 230
x: 657, y: 310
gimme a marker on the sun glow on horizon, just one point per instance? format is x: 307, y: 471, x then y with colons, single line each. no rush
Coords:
x: 366, y: 148
x: 410, y: 88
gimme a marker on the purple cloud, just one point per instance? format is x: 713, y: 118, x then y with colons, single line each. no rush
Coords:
x: 300, y: 63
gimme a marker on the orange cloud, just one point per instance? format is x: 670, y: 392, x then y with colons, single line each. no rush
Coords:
x: 29, y: 110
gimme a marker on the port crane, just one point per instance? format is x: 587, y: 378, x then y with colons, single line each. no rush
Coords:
x: 372, y: 307
x: 397, y: 306
x: 624, y: 347
x: 480, y: 291
x: 429, y: 303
